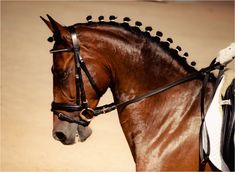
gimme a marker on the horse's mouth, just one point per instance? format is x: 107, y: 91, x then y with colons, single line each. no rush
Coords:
x: 83, y: 133
x: 68, y: 143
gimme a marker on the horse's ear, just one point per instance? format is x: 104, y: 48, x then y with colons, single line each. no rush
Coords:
x: 55, y: 27
x: 47, y: 23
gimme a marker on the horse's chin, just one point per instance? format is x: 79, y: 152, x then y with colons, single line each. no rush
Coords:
x: 68, y: 143
x: 83, y: 133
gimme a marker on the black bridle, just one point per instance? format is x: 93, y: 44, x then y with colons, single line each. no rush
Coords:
x: 86, y: 114
x: 81, y: 105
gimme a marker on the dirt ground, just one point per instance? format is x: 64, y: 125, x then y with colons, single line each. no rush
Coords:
x: 200, y: 28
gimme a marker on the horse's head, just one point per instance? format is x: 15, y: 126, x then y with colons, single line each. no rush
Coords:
x: 77, y: 86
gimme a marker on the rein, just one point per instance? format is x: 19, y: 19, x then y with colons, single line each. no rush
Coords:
x: 200, y: 74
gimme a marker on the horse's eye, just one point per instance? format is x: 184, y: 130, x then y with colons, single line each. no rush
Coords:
x: 60, y: 75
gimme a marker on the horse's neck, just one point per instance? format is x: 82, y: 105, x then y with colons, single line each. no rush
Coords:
x: 165, y: 121
x: 159, y: 123
x: 142, y: 67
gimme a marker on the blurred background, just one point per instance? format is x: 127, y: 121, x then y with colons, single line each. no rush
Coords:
x: 200, y: 28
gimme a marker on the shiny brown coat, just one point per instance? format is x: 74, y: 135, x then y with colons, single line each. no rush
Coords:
x: 162, y: 131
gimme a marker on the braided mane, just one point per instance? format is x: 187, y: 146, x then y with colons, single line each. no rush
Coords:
x: 165, y: 45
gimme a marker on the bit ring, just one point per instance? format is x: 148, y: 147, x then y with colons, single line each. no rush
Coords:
x: 87, y: 114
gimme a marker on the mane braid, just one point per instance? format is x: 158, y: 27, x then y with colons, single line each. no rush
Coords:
x: 165, y: 45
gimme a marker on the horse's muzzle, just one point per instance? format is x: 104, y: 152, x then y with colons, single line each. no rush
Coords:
x: 67, y: 133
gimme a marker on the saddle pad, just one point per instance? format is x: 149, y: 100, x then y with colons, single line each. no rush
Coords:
x: 214, y: 120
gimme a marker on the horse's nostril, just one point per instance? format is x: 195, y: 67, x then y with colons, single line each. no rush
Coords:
x: 60, y: 136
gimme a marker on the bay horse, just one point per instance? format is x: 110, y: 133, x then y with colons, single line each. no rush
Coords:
x: 88, y: 58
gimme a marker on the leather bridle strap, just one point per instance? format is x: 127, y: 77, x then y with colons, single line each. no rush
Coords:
x: 91, y: 80
x: 66, y: 107
x: 78, y: 74
x: 80, y: 62
x: 81, y: 104
x: 69, y: 119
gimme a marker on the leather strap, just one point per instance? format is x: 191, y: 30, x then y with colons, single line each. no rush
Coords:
x: 91, y: 80
x: 81, y: 101
x: 67, y: 118
x: 66, y: 107
x: 78, y: 60
x: 204, y: 144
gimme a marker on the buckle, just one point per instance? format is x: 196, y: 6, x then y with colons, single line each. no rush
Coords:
x: 87, y: 114
x: 226, y: 102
